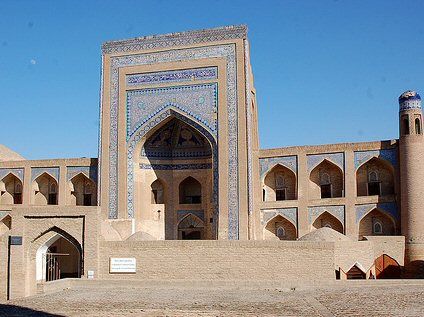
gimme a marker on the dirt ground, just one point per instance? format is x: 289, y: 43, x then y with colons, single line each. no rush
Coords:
x: 395, y: 299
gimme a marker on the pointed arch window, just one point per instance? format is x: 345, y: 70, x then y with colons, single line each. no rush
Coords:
x: 374, y: 184
x: 281, y: 233
x: 377, y: 227
x: 52, y: 193
x: 325, y: 183
x: 405, y: 125
x: 418, y: 126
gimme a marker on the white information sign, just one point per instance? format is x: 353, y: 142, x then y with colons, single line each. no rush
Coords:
x: 122, y: 265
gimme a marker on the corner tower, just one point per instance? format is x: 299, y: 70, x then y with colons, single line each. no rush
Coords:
x: 411, y: 156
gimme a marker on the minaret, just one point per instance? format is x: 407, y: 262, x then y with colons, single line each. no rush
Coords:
x: 411, y: 158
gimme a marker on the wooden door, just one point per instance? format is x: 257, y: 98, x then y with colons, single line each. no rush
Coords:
x: 386, y: 267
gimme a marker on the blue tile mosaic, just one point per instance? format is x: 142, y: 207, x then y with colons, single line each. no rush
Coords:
x: 336, y: 211
x: 390, y: 155
x: 388, y: 208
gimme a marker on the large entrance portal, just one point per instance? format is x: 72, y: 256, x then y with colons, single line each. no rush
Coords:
x: 174, y: 178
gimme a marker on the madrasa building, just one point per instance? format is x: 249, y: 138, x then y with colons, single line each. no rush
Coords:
x: 179, y: 159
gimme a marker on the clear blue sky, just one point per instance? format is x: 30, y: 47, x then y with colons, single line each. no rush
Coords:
x: 325, y: 71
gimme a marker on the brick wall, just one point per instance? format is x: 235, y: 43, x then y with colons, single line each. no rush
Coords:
x: 223, y: 260
x: 3, y: 266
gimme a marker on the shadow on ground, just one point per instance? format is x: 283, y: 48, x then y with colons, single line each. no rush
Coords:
x: 12, y: 311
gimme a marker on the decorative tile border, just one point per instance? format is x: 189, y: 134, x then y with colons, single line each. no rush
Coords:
x: 315, y: 159
x: 181, y: 214
x: 388, y: 208
x: 266, y: 164
x: 390, y: 155
x: 288, y: 213
x: 176, y: 39
x: 227, y: 51
x: 198, y: 166
x: 198, y: 101
x: 249, y: 128
x: 173, y: 76
x: 336, y: 211
x: 18, y: 172
x: 52, y: 171
x: 89, y: 171
x: 409, y: 100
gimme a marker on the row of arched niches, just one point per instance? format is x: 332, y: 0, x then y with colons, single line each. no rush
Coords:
x: 81, y: 186
x: 374, y: 176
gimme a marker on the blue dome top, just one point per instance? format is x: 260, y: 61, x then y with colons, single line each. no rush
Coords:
x: 409, y: 100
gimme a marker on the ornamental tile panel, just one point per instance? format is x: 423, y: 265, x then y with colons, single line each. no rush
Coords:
x: 315, y: 159
x: 52, y: 171
x: 89, y: 171
x: 336, y: 211
x: 388, y: 208
x: 288, y: 213
x: 173, y: 167
x: 18, y: 172
x: 390, y: 155
x: 266, y: 164
x: 172, y: 76
x: 181, y: 214
x: 197, y: 101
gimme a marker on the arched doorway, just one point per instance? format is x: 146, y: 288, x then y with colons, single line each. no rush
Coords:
x: 59, y: 257
x: 279, y: 184
x: 175, y: 157
x: 328, y: 220
x: 190, y: 228
x: 376, y: 223
x: 279, y: 228
x: 326, y: 181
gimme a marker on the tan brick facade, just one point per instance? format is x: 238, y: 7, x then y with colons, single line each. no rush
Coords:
x: 180, y: 159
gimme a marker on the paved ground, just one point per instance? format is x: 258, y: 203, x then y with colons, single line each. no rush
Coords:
x: 126, y: 300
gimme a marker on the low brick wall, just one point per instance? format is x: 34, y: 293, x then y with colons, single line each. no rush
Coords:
x: 285, y: 261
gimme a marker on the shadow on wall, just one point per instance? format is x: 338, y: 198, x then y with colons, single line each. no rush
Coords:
x: 414, y: 269
x: 12, y: 310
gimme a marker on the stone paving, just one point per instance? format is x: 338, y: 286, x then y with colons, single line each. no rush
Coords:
x: 395, y: 299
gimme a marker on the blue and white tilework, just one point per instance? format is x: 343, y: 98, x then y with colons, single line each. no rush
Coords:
x: 315, y: 159
x: 196, y: 101
x: 289, y: 213
x: 390, y: 155
x: 18, y: 172
x: 198, y: 166
x: 388, y: 208
x: 409, y: 100
x: 336, y: 211
x: 52, y: 171
x: 226, y: 51
x: 173, y: 76
x: 181, y: 214
x: 267, y: 164
x: 89, y: 171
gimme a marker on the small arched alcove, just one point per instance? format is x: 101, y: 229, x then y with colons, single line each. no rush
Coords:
x: 44, y: 190
x: 326, y: 181
x: 191, y: 227
x: 279, y: 228
x: 10, y: 190
x: 60, y: 256
x: 82, y: 191
x: 190, y: 191
x: 376, y: 223
x: 279, y: 184
x: 329, y: 221
x: 375, y: 177
x: 158, y: 192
